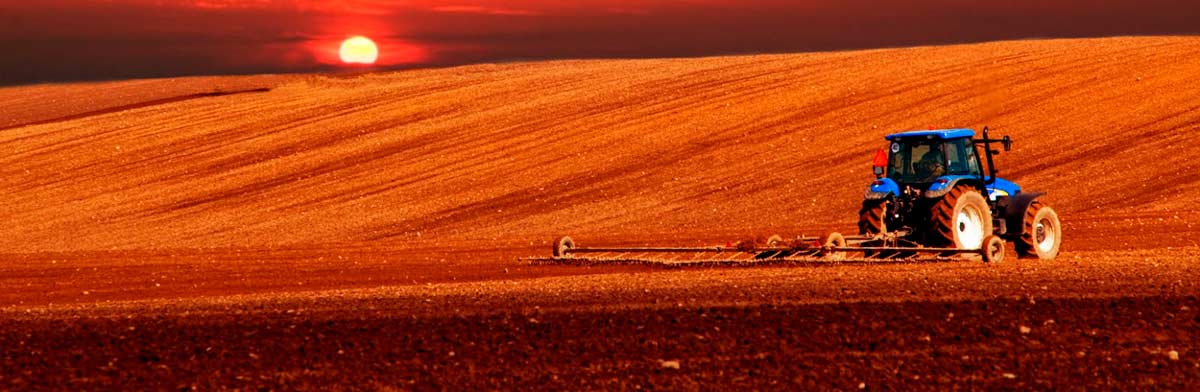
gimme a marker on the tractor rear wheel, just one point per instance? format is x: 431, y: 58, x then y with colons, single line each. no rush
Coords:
x: 1042, y: 233
x: 961, y: 219
x: 870, y: 217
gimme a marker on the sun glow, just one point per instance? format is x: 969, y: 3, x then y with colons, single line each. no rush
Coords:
x: 359, y: 50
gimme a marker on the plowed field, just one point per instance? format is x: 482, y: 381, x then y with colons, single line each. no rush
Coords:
x: 362, y: 231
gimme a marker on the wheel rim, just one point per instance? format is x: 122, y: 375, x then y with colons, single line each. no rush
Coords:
x: 970, y: 228
x: 1045, y: 235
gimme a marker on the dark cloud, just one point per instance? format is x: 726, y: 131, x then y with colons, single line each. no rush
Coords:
x: 58, y: 40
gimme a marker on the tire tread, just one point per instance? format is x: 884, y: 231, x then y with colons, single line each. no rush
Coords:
x: 942, y: 216
x: 1027, y: 244
x: 870, y: 217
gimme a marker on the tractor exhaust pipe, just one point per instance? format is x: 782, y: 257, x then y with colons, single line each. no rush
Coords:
x: 987, y: 149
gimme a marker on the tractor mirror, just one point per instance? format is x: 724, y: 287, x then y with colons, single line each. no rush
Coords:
x: 1007, y: 144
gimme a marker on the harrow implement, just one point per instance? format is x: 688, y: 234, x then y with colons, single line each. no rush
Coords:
x: 831, y: 248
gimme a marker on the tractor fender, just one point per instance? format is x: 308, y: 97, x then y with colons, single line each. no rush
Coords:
x: 944, y: 184
x: 1014, y: 214
x: 882, y: 188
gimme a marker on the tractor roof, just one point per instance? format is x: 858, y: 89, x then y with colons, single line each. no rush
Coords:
x: 934, y: 133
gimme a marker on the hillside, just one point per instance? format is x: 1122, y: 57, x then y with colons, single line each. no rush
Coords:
x: 652, y: 149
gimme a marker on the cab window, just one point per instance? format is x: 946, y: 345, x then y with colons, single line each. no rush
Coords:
x: 961, y: 158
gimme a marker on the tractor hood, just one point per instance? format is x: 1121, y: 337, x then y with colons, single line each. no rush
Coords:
x: 1002, y: 187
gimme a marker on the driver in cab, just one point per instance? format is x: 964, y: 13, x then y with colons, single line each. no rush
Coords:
x: 931, y: 166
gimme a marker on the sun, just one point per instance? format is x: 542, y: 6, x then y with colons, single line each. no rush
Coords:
x: 359, y: 50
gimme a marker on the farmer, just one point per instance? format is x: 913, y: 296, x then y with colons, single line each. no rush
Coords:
x: 932, y: 165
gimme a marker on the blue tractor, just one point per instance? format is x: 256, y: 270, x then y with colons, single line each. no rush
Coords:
x: 931, y: 190
x: 931, y: 201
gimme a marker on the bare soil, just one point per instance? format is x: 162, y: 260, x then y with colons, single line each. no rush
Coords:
x: 363, y: 232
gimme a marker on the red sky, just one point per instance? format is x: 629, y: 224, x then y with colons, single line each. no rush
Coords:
x: 51, y: 40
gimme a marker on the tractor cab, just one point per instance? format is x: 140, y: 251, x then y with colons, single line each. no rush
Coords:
x: 926, y: 163
x: 922, y: 157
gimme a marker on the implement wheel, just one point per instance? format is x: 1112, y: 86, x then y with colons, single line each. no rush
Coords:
x: 1042, y: 234
x: 774, y: 241
x: 562, y: 246
x: 870, y: 217
x: 993, y: 249
x: 961, y: 219
x: 833, y: 240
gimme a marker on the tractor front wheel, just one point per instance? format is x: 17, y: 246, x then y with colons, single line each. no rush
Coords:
x: 961, y: 219
x: 1042, y: 233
